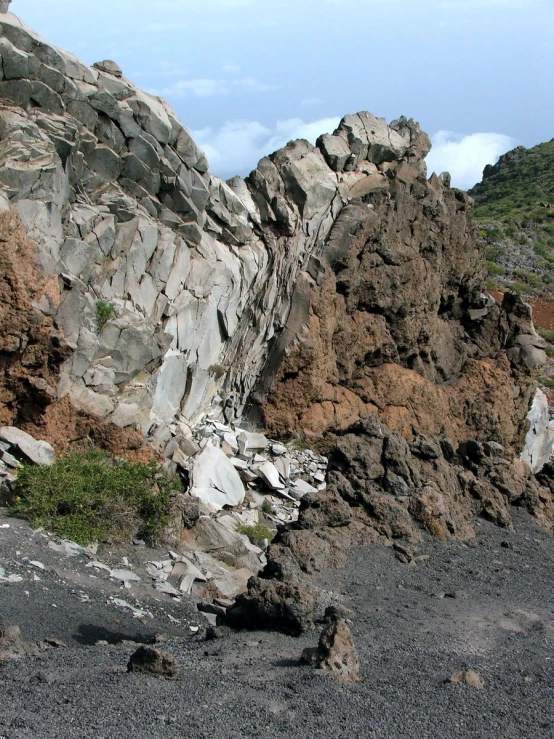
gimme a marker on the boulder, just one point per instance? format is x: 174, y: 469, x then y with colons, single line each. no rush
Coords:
x: 39, y: 452
x: 336, y: 652
x: 270, y: 604
x: 154, y: 662
x: 215, y: 481
x: 109, y: 67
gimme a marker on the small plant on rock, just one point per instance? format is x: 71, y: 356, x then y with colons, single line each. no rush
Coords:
x: 267, y: 508
x: 257, y: 534
x: 104, y: 312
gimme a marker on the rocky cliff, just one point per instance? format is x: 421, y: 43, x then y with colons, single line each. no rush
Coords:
x: 336, y: 293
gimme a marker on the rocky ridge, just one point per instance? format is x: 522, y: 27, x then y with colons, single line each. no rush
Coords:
x: 337, y: 293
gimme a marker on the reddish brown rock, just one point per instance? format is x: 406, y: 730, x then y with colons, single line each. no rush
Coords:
x: 335, y: 653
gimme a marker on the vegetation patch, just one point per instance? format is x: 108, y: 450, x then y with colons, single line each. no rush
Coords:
x: 87, y: 497
x: 104, y: 312
x: 547, y: 334
x: 257, y: 534
x: 546, y: 382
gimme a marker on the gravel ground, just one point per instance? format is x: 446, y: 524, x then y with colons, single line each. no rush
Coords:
x: 484, y: 605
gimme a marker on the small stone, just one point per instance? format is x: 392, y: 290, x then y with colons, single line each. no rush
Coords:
x: 55, y: 643
x: 124, y: 575
x: 467, y: 677
x: 403, y: 555
x: 278, y: 449
x: 154, y: 662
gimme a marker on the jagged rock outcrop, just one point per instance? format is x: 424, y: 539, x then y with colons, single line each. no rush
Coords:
x: 198, y: 275
x: 173, y: 292
x: 336, y: 292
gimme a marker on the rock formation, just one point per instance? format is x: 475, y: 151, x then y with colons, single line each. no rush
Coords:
x: 336, y: 293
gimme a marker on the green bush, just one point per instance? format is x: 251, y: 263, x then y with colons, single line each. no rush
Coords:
x: 257, y: 533
x: 495, y: 270
x: 267, y: 507
x: 494, y: 253
x: 89, y: 496
x: 546, y: 382
x: 549, y: 351
x: 104, y: 312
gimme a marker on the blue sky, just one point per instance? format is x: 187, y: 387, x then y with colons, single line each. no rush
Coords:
x: 248, y: 75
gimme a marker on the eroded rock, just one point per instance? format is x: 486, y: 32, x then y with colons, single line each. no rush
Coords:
x: 335, y: 653
x: 154, y: 662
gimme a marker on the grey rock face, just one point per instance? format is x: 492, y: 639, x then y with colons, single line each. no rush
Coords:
x: 5, y: 6
x: 208, y: 281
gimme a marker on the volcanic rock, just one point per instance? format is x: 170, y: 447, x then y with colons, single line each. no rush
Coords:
x: 154, y: 662
x: 336, y: 652
x: 273, y: 605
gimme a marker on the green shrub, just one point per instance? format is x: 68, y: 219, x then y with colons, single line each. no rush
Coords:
x: 267, y: 507
x: 104, y: 312
x: 494, y: 253
x: 257, y: 533
x: 89, y: 496
x: 495, y: 270
x: 549, y: 351
x: 546, y: 381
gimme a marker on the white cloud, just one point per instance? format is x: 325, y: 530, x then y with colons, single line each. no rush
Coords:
x: 204, y: 88
x: 465, y: 157
x: 237, y: 147
x: 312, y: 101
x: 250, y: 84
x: 200, y: 88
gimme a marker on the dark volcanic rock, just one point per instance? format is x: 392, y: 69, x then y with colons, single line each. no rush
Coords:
x: 154, y: 662
x: 274, y: 605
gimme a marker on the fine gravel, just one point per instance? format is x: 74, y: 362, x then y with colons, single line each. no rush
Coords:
x: 484, y: 605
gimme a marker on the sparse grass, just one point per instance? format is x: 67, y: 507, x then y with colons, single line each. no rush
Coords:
x: 104, y: 312
x: 549, y: 351
x: 267, y: 507
x: 530, y: 278
x: 546, y: 381
x: 547, y: 334
x: 257, y: 534
x: 89, y: 496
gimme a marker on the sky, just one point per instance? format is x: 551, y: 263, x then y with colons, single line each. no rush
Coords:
x: 246, y: 76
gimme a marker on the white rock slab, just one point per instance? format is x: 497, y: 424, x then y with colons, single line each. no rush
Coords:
x: 249, y: 442
x: 39, y: 452
x: 300, y: 488
x: 124, y: 575
x: 539, y: 442
x: 215, y: 480
x: 270, y: 475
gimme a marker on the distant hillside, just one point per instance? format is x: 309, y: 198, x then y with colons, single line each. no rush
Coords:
x: 514, y: 205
